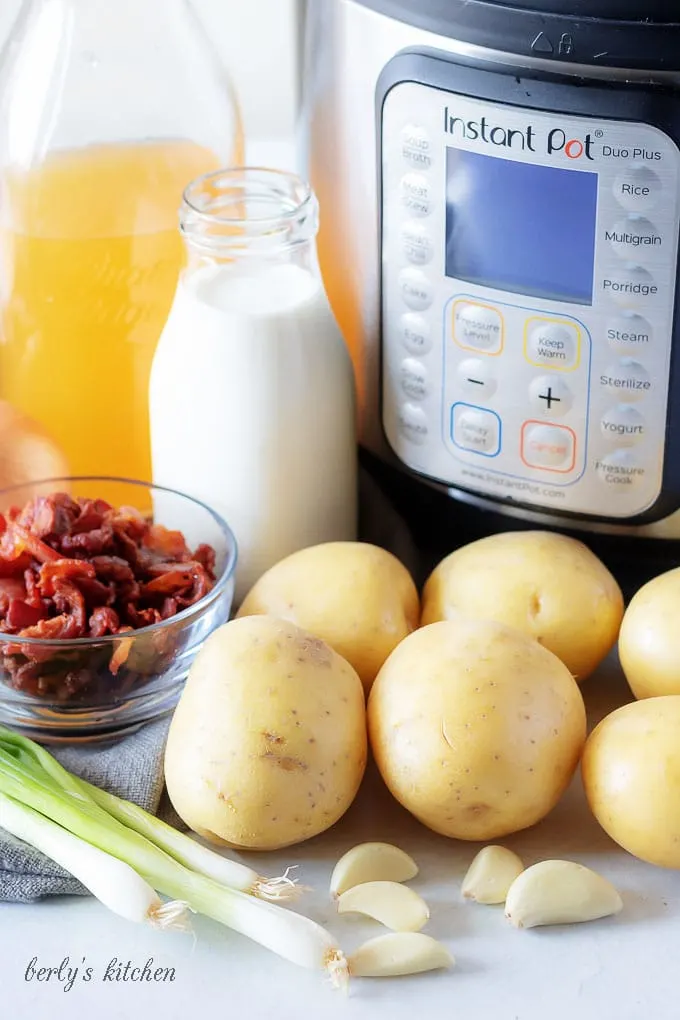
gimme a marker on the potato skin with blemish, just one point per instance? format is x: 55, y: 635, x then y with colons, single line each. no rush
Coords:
x: 476, y: 728
x: 267, y: 746
x: 549, y: 586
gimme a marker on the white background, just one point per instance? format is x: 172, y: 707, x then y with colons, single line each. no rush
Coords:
x: 259, y: 42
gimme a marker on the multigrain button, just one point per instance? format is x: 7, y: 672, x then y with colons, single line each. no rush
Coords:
x: 634, y: 237
x: 637, y: 188
x: 416, y: 334
x: 621, y: 471
x: 550, y: 396
x: 628, y: 333
x: 416, y: 147
x: 476, y: 378
x: 477, y: 327
x: 553, y: 344
x: 476, y: 430
x: 416, y: 290
x: 417, y: 243
x: 416, y: 194
x: 623, y: 424
x: 413, y: 379
x: 548, y: 446
x: 413, y: 424
x: 626, y: 379
x: 629, y: 285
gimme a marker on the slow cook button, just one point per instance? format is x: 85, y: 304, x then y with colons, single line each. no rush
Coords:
x: 416, y: 334
x: 627, y: 379
x: 550, y: 395
x: 620, y: 470
x: 414, y: 379
x: 629, y: 286
x: 416, y: 290
x: 477, y: 327
x: 624, y: 424
x: 413, y: 424
x: 416, y: 147
x: 416, y: 194
x: 629, y: 332
x: 633, y: 237
x: 476, y: 430
x: 548, y: 446
x: 417, y: 244
x: 637, y: 188
x: 552, y: 343
x: 476, y: 378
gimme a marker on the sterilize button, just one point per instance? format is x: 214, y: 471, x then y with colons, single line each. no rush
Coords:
x: 476, y: 378
x: 550, y: 396
x: 620, y: 470
x: 416, y: 147
x: 416, y: 334
x: 414, y: 379
x: 552, y: 344
x: 637, y: 188
x: 476, y: 429
x: 627, y: 379
x: 417, y: 243
x: 629, y: 286
x: 629, y: 332
x: 477, y: 327
x: 548, y: 446
x: 413, y: 424
x: 416, y: 290
x: 624, y: 424
x: 634, y: 237
x: 416, y: 194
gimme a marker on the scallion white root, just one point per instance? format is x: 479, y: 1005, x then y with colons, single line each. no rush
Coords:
x: 113, y: 882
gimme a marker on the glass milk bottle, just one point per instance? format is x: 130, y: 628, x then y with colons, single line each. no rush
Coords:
x: 252, y: 401
x: 108, y: 108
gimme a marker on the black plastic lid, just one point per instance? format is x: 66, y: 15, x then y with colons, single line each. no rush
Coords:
x: 639, y: 34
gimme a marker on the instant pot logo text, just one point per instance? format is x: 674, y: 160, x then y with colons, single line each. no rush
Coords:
x: 555, y: 141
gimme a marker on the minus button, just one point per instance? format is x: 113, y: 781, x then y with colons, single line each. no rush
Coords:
x: 476, y: 376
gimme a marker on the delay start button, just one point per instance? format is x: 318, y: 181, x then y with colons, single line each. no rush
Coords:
x: 475, y: 429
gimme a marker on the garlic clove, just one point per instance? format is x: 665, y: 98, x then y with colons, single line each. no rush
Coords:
x: 491, y: 874
x: 559, y: 892
x: 398, y: 954
x: 396, y: 906
x: 371, y: 862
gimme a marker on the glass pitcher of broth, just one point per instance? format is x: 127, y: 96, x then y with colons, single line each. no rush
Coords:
x: 107, y: 111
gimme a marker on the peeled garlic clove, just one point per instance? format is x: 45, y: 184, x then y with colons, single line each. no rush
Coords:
x: 371, y: 862
x: 491, y: 874
x: 559, y: 892
x: 397, y: 954
x: 396, y: 906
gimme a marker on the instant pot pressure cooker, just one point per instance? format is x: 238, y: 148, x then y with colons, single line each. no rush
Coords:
x: 499, y: 186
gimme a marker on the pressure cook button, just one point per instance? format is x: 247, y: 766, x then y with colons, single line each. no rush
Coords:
x: 413, y: 424
x: 476, y: 378
x: 620, y: 470
x: 416, y: 147
x: 415, y: 333
x: 476, y: 430
x: 637, y: 188
x: 626, y: 379
x: 417, y: 244
x: 623, y: 423
x: 551, y: 343
x: 628, y: 286
x: 629, y: 332
x: 414, y: 379
x: 549, y: 395
x: 477, y: 327
x: 416, y: 290
x: 416, y: 194
x: 633, y: 237
x: 548, y: 446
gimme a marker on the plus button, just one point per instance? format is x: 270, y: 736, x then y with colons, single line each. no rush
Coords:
x: 549, y: 398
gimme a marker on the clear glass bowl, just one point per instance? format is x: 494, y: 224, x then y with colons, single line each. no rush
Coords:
x: 100, y: 688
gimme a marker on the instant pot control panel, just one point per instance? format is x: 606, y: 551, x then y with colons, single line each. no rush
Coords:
x: 529, y: 265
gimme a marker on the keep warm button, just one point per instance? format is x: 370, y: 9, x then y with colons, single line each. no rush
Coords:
x: 550, y: 447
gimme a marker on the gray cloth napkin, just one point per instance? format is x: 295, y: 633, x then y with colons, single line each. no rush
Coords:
x: 132, y: 768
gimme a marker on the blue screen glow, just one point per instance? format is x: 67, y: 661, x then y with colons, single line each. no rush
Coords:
x: 521, y: 227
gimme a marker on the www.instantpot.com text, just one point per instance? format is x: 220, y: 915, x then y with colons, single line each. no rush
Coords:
x: 516, y: 484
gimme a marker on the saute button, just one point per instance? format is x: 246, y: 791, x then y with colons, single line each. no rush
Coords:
x: 623, y: 423
x: 477, y: 327
x: 414, y: 379
x: 413, y: 424
x: 629, y: 286
x: 627, y: 379
x: 416, y: 147
x: 551, y: 396
x: 554, y: 344
x: 476, y: 430
x: 416, y: 290
x: 476, y: 378
x: 415, y: 333
x: 629, y: 332
x: 637, y: 187
x: 548, y: 446
x: 634, y: 236
x: 620, y: 470
x: 417, y: 244
x: 416, y: 194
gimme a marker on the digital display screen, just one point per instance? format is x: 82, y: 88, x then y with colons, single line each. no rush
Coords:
x: 521, y: 227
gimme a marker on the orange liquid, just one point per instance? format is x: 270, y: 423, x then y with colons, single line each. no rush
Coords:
x: 89, y: 260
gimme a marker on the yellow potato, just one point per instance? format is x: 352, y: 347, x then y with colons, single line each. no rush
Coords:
x: 357, y: 597
x: 631, y: 775
x: 268, y: 744
x: 549, y: 586
x: 649, y: 641
x: 475, y: 727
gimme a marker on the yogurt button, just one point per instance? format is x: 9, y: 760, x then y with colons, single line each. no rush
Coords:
x: 476, y: 378
x: 629, y: 332
x: 416, y: 334
x: 621, y: 471
x: 416, y: 147
x: 413, y: 424
x: 553, y: 344
x: 627, y: 379
x: 477, y: 327
x: 416, y: 194
x: 629, y: 286
x: 637, y: 187
x: 417, y: 244
x: 416, y: 290
x: 624, y: 424
x: 414, y: 379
